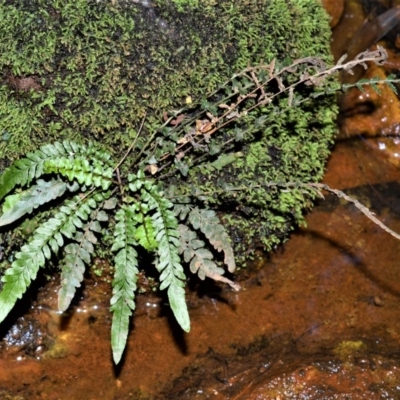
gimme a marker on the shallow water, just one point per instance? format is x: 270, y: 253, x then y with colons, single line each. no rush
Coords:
x: 318, y: 319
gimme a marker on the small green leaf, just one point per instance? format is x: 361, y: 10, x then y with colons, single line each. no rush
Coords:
x: 102, y: 216
x: 110, y: 204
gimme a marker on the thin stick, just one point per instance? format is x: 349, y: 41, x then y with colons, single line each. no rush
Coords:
x: 132, y: 145
x: 360, y: 206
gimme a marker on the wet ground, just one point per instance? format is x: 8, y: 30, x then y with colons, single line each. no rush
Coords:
x: 318, y: 319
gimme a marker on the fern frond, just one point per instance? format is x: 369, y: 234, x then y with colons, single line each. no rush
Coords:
x: 145, y: 234
x: 182, y: 208
x: 72, y: 270
x: 136, y: 181
x: 222, y: 161
x: 95, y: 153
x: 17, y: 205
x: 73, y: 265
x: 81, y: 170
x: 32, y: 166
x: 23, y: 171
x: 169, y: 265
x: 27, y: 262
x: 194, y: 252
x: 125, y: 277
x: 390, y: 80
x: 47, y: 237
x: 78, y: 254
x: 208, y: 223
x: 200, y: 259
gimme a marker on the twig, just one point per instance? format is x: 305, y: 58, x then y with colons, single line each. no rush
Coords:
x: 132, y: 144
x: 360, y: 206
x: 378, y: 56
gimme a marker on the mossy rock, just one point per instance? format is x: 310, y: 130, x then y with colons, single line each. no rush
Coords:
x: 92, y: 70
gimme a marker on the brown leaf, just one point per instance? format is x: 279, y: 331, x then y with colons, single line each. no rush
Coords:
x: 177, y: 120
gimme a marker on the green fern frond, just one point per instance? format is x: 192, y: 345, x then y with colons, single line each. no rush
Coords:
x: 17, y: 205
x: 95, y: 153
x: 390, y: 80
x: 169, y: 265
x: 81, y: 170
x: 47, y: 238
x: 136, y: 181
x: 145, y: 234
x: 23, y: 171
x: 72, y: 270
x: 31, y: 167
x: 222, y: 161
x: 207, y: 222
x: 73, y: 264
x: 125, y: 277
x: 29, y: 259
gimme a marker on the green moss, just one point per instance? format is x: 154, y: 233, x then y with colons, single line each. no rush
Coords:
x: 94, y: 70
x: 349, y: 348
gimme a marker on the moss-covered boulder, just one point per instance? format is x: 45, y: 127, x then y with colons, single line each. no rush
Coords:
x: 93, y: 70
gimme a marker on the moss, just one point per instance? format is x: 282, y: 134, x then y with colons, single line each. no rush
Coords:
x: 79, y: 69
x: 349, y: 348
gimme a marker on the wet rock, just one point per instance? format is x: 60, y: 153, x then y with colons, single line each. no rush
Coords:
x: 292, y: 376
x: 335, y: 10
x: 26, y: 337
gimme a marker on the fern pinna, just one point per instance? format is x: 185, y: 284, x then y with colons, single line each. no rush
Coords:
x: 91, y: 197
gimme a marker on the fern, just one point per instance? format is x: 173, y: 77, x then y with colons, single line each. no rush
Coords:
x: 17, y: 205
x: 31, y: 257
x: 166, y: 235
x: 23, y: 171
x: 174, y: 228
x: 45, y: 159
x: 143, y: 217
x: 208, y: 223
x: 78, y: 254
x: 222, y: 161
x: 81, y: 170
x: 72, y: 270
x: 125, y: 277
x: 373, y: 82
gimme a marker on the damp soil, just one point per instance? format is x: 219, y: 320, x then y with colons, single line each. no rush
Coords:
x: 316, y: 319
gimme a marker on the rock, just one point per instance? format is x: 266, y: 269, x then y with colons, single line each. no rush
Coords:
x: 88, y: 70
x: 335, y: 9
